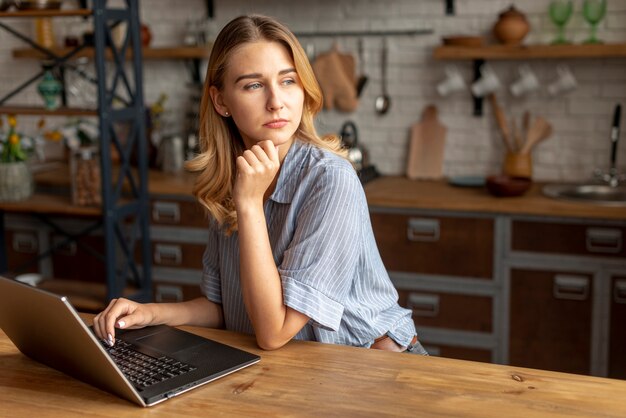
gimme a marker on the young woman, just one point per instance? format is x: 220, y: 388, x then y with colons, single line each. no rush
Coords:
x: 291, y: 253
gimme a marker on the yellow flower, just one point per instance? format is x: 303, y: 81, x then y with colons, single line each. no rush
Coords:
x: 54, y: 136
x: 14, y: 139
x: 12, y: 121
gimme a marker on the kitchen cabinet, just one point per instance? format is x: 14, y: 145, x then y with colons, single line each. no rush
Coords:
x: 551, y: 320
x: 178, y: 230
x: 441, y: 245
x: 443, y: 268
x: 78, y: 260
x: 22, y: 246
x: 551, y: 293
x: 563, y: 305
x: 617, y: 341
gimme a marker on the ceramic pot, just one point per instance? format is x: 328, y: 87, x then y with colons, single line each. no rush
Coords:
x: 511, y: 27
x: 146, y: 35
x: 16, y: 181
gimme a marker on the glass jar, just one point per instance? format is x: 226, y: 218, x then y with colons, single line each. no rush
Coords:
x: 86, y: 177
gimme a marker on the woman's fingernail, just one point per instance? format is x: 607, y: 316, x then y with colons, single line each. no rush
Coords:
x: 110, y: 340
x: 121, y: 324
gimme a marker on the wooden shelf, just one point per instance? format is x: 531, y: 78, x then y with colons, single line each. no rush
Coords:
x: 524, y: 52
x: 33, y: 110
x: 47, y: 13
x: 170, y: 52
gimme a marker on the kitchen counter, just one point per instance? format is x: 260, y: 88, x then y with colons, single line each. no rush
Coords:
x: 400, y: 192
x: 384, y: 192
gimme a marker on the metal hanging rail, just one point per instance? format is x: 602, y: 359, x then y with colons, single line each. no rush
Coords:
x: 407, y: 32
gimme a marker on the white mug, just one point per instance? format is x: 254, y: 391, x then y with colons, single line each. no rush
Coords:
x: 453, y: 81
x: 564, y: 82
x: 487, y: 83
x: 526, y: 83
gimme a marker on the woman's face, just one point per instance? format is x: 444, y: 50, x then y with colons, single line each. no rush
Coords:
x: 262, y: 93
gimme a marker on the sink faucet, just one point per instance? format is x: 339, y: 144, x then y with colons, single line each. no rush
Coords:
x: 613, y: 177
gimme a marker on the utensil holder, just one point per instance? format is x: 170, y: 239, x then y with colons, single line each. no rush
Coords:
x: 518, y: 165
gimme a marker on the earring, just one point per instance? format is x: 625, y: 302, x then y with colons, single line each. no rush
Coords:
x: 226, y: 114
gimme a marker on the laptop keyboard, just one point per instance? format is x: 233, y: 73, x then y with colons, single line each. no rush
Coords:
x: 143, y: 370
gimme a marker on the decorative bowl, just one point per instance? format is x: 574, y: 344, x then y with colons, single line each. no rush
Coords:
x: 38, y: 4
x: 501, y: 185
x: 463, y: 40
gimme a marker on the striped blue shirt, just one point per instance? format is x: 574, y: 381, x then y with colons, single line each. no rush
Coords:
x: 324, y: 248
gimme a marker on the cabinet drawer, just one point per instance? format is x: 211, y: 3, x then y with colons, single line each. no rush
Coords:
x: 435, y: 245
x: 177, y: 212
x: 551, y: 320
x: 175, y: 254
x: 175, y: 292
x: 22, y: 246
x: 457, y: 352
x: 570, y: 239
x: 449, y: 310
x: 78, y: 262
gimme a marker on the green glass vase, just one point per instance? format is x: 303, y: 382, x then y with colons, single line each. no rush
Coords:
x: 50, y: 90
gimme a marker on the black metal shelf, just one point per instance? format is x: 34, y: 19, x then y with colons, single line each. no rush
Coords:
x: 123, y: 216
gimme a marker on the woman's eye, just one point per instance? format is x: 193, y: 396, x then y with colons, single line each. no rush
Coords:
x: 253, y: 86
x: 289, y: 81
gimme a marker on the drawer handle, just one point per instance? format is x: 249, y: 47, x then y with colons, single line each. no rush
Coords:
x: 168, y: 254
x: 619, y: 291
x: 166, y: 212
x: 604, y: 240
x: 420, y: 229
x: 571, y: 287
x: 69, y: 248
x: 424, y: 305
x: 165, y: 293
x: 24, y: 243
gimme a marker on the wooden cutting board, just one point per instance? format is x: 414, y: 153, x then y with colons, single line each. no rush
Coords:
x: 428, y: 139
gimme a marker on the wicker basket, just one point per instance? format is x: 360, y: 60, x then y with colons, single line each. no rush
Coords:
x: 16, y: 181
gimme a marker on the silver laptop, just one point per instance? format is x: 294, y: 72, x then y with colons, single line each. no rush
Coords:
x: 146, y: 366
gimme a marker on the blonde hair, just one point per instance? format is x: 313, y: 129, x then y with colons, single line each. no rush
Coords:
x: 219, y: 139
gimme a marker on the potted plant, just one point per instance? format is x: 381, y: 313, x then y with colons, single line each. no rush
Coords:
x: 16, y: 181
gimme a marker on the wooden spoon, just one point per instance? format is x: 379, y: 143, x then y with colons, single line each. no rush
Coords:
x: 501, y: 119
x: 539, y: 130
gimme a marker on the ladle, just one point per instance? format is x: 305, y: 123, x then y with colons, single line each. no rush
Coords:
x: 383, y: 102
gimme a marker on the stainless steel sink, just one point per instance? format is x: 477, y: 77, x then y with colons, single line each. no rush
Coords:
x: 600, y: 194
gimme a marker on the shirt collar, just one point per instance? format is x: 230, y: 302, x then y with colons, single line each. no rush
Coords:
x: 289, y: 173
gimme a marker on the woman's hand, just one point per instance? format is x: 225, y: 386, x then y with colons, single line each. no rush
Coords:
x: 256, y: 170
x: 122, y: 313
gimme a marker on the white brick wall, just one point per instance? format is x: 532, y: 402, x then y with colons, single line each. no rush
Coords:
x: 581, y: 119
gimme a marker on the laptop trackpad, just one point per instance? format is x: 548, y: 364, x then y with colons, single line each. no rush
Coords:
x: 170, y: 341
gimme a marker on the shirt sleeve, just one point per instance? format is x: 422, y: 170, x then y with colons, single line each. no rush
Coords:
x: 320, y: 263
x: 211, y: 284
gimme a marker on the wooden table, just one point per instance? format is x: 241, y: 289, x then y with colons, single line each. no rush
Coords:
x: 305, y: 379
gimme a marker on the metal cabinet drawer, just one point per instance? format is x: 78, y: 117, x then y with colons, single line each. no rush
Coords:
x: 599, y: 240
x: 449, y: 310
x: 550, y: 320
x: 22, y: 246
x: 175, y: 254
x: 177, y: 212
x: 435, y: 245
x: 175, y: 292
